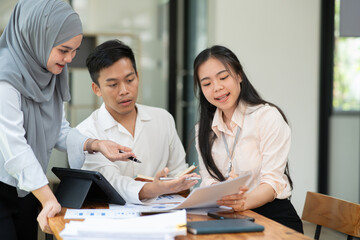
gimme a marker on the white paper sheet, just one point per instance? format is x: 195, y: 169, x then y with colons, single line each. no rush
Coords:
x: 100, y: 213
x: 173, y: 198
x: 205, y: 197
x: 160, y: 207
x: 159, y: 226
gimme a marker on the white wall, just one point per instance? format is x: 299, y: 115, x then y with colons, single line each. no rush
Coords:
x: 277, y: 42
x: 142, y: 24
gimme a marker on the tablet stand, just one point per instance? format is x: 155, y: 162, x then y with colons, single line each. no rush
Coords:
x: 72, y: 192
x: 77, y: 185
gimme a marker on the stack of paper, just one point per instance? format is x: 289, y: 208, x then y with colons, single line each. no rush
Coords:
x: 159, y: 226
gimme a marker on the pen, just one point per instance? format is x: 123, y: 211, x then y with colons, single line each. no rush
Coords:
x: 131, y: 158
x: 171, y: 178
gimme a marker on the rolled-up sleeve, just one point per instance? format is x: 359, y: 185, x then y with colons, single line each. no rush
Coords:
x: 25, y: 168
x: 275, y: 141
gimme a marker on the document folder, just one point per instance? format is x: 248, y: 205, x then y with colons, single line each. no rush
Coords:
x: 76, y: 186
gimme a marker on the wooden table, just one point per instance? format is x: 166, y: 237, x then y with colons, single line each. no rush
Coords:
x: 273, y: 230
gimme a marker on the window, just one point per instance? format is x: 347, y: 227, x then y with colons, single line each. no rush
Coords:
x: 346, y: 88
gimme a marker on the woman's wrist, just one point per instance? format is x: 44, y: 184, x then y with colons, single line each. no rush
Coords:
x: 44, y: 195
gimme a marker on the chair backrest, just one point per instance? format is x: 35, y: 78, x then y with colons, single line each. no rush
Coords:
x: 330, y: 212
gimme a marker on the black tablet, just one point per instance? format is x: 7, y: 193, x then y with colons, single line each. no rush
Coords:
x: 76, y: 186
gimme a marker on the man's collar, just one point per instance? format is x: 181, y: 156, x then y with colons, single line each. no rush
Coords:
x: 107, y: 121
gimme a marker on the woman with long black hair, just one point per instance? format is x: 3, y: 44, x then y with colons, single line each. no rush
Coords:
x: 239, y: 133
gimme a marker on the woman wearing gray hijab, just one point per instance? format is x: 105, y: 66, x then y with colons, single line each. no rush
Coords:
x: 41, y: 37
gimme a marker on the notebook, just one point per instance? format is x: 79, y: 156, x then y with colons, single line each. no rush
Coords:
x: 223, y: 226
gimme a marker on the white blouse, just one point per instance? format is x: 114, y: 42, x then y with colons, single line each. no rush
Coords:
x: 261, y: 150
x: 18, y: 164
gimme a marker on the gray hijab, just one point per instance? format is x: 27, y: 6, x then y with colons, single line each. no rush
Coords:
x: 35, y: 27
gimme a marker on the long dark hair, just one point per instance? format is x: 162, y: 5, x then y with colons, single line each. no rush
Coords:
x: 248, y: 94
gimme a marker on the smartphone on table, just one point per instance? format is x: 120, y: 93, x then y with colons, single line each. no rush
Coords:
x: 229, y: 215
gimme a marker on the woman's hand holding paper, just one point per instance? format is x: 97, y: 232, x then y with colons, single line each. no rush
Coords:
x: 236, y: 201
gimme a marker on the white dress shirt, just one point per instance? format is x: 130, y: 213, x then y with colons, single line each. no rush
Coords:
x: 261, y: 150
x: 155, y: 143
x: 18, y: 164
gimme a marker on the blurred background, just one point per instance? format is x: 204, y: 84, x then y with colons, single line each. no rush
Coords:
x: 304, y: 56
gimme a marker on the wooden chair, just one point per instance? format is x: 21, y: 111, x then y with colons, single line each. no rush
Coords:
x: 330, y: 212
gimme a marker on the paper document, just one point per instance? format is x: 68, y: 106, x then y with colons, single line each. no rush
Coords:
x: 174, y: 198
x: 159, y: 207
x: 100, y: 213
x: 159, y: 226
x: 202, y: 197
x: 159, y: 204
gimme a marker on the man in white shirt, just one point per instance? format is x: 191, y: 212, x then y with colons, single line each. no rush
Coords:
x: 149, y: 131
